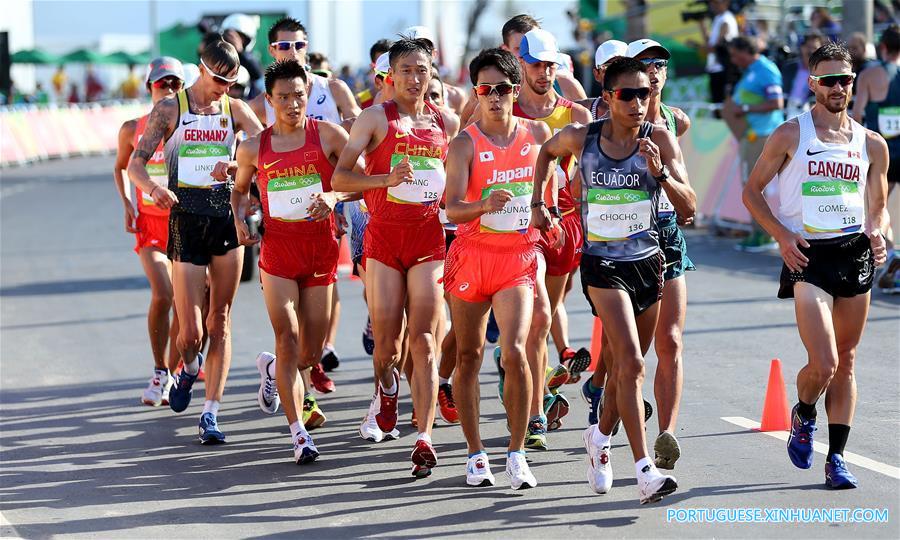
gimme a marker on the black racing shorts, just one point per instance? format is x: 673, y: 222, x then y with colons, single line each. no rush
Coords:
x: 196, y: 239
x: 642, y: 280
x: 842, y: 267
x: 675, y: 249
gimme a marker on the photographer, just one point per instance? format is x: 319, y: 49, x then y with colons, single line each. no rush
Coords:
x: 724, y: 28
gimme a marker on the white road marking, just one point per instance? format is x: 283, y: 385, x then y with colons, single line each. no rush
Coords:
x: 849, y: 457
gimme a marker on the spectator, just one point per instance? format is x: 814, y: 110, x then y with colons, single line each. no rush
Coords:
x: 131, y: 86
x: 40, y: 95
x: 318, y: 64
x: 93, y: 88
x: 752, y: 114
x: 59, y: 81
x: 347, y: 76
x: 821, y: 20
x: 795, y: 74
x: 724, y: 29
x: 73, y: 94
x: 240, y: 30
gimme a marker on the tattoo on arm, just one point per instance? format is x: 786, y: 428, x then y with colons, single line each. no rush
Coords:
x: 157, y: 125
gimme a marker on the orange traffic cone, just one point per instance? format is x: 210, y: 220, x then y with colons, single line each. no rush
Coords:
x: 345, y: 263
x: 596, y: 344
x: 775, y: 416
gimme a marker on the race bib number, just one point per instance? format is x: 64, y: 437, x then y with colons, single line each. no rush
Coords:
x: 157, y: 173
x: 427, y: 185
x: 290, y: 197
x: 665, y: 207
x: 832, y: 206
x: 889, y: 121
x: 515, y: 216
x: 196, y: 163
x: 617, y: 214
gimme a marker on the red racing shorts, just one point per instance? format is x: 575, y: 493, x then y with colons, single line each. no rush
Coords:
x: 564, y: 261
x: 309, y: 259
x: 474, y: 272
x: 153, y: 232
x: 404, y: 245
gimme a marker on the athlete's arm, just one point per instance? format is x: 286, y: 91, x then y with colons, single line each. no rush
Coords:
x: 343, y: 98
x: 126, y: 137
x: 861, y: 99
x: 247, y: 155
x: 456, y: 98
x: 567, y: 142
x: 334, y: 139
x: 258, y: 106
x: 571, y: 88
x: 877, y: 193
x: 682, y: 121
x: 581, y: 115
x: 468, y: 110
x: 777, y: 152
x: 451, y: 123
x: 678, y: 187
x: 364, y: 135
x: 160, y: 125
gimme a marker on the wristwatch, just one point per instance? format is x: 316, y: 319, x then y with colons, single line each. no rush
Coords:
x: 554, y: 211
x: 663, y: 175
x: 537, y: 204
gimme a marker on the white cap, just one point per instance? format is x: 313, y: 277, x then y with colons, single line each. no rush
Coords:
x: 539, y: 46
x: 638, y: 46
x: 191, y: 74
x: 419, y: 32
x: 608, y: 50
x: 245, y: 24
x: 243, y: 76
x: 383, y: 64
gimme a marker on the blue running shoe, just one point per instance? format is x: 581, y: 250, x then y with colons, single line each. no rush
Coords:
x: 500, y: 372
x: 209, y: 430
x: 800, y: 440
x: 180, y: 394
x: 837, y: 476
x: 593, y: 399
x: 368, y: 338
x: 492, y: 333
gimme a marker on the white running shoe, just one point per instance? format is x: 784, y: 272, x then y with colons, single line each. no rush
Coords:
x: 517, y: 470
x: 267, y: 397
x: 153, y: 394
x: 599, y: 472
x: 654, y: 485
x: 368, y: 428
x: 305, y: 450
x: 170, y: 381
x: 478, y: 471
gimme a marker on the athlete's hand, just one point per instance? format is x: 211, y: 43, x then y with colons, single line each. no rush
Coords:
x: 790, y: 244
x: 403, y: 172
x: 684, y: 221
x: 322, y: 205
x: 650, y: 151
x: 223, y: 170
x: 541, y: 218
x: 340, y: 225
x: 243, y: 233
x: 879, y: 250
x: 163, y: 198
x: 496, y: 200
x: 554, y: 235
x: 130, y: 219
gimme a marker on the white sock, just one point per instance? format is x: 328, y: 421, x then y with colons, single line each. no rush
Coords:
x: 327, y: 349
x: 211, y: 406
x: 163, y: 373
x: 192, y: 367
x: 270, y: 369
x: 392, y: 390
x: 443, y: 380
x: 601, y: 438
x: 297, y: 429
x: 643, y: 462
x: 424, y: 437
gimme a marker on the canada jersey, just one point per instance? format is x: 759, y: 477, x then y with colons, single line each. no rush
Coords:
x: 418, y: 200
x: 289, y: 181
x: 192, y: 151
x: 822, y: 189
x: 510, y: 168
x: 556, y: 121
x: 156, y: 168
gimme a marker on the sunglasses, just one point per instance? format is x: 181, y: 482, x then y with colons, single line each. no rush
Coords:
x: 171, y: 83
x: 221, y: 79
x: 658, y: 63
x: 502, y: 89
x: 288, y: 45
x: 627, y: 94
x: 844, y: 79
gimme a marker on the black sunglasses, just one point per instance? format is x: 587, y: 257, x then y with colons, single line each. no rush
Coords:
x: 844, y: 79
x: 627, y: 94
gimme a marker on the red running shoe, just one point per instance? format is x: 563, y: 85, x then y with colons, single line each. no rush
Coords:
x: 446, y: 404
x: 387, y: 415
x: 321, y: 383
x: 424, y: 459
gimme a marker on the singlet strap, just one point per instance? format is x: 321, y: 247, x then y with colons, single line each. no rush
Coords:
x: 182, y: 102
x: 670, y: 118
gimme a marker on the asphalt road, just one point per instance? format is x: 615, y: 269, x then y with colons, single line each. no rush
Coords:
x: 80, y: 456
